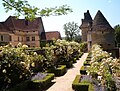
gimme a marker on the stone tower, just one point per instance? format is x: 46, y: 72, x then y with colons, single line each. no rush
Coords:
x: 102, y: 33
x: 98, y: 31
x: 85, y: 26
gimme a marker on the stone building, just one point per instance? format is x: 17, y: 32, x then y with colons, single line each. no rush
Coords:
x: 97, y: 31
x: 52, y: 35
x: 20, y: 30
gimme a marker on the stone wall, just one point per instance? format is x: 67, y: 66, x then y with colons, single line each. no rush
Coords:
x: 105, y: 39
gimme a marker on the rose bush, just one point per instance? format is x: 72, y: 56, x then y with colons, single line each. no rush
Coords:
x: 15, y: 65
x: 104, y: 65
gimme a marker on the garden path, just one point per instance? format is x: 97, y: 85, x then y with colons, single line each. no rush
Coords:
x: 64, y: 83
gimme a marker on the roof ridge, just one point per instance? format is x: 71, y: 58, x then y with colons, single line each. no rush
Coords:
x: 100, y: 21
x: 52, y: 31
x: 12, y: 21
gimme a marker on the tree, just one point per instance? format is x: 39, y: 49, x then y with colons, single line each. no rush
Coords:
x: 71, y: 31
x: 117, y: 33
x: 22, y: 7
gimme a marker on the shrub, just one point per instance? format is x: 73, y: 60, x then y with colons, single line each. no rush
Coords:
x: 16, y: 65
x: 58, y: 71
x: 81, y: 86
x: 45, y: 81
x: 88, y: 59
x: 36, y: 84
x: 87, y: 63
x: 61, y: 70
x: 83, y: 71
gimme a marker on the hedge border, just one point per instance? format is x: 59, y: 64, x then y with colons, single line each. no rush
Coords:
x: 83, y: 71
x: 77, y: 86
x: 60, y: 70
x: 28, y: 84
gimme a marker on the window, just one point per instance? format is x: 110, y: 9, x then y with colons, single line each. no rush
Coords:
x: 33, y: 38
x: 18, y: 39
x: 10, y: 38
x: 90, y: 43
x: 27, y: 38
x: 1, y: 37
x: 22, y: 38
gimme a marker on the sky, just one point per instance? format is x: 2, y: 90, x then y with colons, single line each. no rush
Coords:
x: 109, y: 8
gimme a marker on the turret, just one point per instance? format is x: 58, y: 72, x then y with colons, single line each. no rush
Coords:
x: 102, y: 33
x: 86, y: 25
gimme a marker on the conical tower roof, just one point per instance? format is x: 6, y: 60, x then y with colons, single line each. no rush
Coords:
x: 100, y: 23
x: 87, y: 19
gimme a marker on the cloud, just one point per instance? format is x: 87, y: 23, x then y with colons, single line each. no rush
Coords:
x: 109, y: 1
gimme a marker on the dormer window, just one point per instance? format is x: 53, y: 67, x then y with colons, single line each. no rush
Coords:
x: 27, y: 38
x: 33, y: 38
x: 10, y: 38
x: 1, y: 37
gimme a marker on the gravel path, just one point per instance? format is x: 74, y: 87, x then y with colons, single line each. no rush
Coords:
x: 64, y: 83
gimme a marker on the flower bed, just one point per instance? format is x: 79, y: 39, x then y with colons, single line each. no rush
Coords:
x: 86, y: 63
x: 18, y: 64
x: 59, y: 71
x: 88, y: 59
x: 45, y: 81
x: 82, y: 86
x: 36, y: 84
x: 105, y: 66
x: 83, y: 70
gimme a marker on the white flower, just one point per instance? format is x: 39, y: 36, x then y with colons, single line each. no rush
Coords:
x: 9, y: 80
x: 4, y: 71
x: 9, y: 65
x: 35, y: 53
x: 25, y: 46
x: 22, y: 63
x: 19, y: 44
x: 20, y: 76
x: 33, y: 64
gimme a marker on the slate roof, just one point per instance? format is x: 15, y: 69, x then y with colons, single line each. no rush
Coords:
x: 100, y: 23
x: 12, y: 23
x: 52, y: 35
x: 4, y: 28
x: 87, y: 20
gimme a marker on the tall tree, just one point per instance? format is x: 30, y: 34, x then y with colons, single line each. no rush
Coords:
x: 71, y: 30
x: 22, y: 7
x: 117, y: 33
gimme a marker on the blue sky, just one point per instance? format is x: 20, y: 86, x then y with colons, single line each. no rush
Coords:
x: 109, y: 8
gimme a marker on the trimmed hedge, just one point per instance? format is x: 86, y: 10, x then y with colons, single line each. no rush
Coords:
x: 79, y: 86
x: 86, y: 63
x: 83, y: 71
x: 88, y: 59
x: 37, y: 84
x: 68, y: 64
x: 74, y: 60
x: 81, y: 53
x: 59, y: 71
x: 44, y: 82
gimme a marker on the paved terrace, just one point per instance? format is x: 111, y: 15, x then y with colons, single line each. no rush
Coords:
x: 64, y: 83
